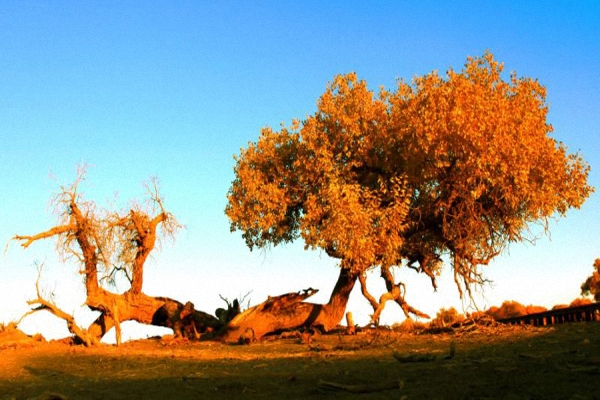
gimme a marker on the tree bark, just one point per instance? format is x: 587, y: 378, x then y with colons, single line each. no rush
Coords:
x: 158, y: 311
x: 289, y: 311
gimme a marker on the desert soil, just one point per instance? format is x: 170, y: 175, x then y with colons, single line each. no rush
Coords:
x: 561, y: 362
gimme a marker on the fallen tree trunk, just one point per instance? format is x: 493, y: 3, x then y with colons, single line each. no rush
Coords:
x: 289, y: 311
x: 116, y: 308
x: 158, y: 311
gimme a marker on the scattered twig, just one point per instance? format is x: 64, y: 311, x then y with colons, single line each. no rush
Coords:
x: 192, y: 376
x: 481, y: 323
x: 412, y: 358
x: 52, y: 396
x: 364, y: 388
x: 590, y: 369
x: 535, y: 357
x: 426, y: 357
x: 452, y: 351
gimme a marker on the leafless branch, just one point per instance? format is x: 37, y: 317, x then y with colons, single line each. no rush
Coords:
x: 50, y: 306
x: 57, y: 230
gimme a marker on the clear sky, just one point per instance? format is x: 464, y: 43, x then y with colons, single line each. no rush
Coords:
x: 175, y: 89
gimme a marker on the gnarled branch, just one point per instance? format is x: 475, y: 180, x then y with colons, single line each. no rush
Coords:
x: 57, y: 230
x: 80, y: 334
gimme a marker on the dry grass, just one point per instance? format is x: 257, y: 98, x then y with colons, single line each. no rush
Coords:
x: 490, y: 362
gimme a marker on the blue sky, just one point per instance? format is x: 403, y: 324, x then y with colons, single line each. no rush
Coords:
x: 175, y: 89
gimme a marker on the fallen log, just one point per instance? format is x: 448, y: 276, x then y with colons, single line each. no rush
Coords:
x: 290, y: 312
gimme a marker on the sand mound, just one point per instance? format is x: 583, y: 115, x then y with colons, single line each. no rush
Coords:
x: 11, y: 336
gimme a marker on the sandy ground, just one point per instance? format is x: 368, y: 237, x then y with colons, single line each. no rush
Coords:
x: 561, y: 362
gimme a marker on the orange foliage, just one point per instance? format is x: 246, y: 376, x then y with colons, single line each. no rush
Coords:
x: 580, y: 302
x: 534, y: 309
x: 508, y: 309
x: 460, y: 165
x: 446, y: 317
x: 511, y: 309
x: 592, y: 284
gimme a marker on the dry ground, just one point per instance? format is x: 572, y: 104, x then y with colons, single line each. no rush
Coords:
x: 561, y: 362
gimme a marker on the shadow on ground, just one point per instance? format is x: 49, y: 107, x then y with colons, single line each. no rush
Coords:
x: 561, y: 362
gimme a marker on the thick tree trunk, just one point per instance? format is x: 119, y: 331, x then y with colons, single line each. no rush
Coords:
x: 289, y: 311
x: 159, y: 311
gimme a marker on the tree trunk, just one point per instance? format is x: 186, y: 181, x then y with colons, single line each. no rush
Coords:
x: 289, y: 311
x: 159, y: 311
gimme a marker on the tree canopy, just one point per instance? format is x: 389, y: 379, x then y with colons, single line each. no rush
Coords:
x: 455, y: 166
x: 591, y: 286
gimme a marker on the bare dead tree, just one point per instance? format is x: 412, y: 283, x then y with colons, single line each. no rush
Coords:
x: 112, y: 244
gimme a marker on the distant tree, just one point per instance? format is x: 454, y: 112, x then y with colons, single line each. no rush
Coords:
x: 531, y: 309
x: 512, y: 309
x: 580, y: 302
x: 508, y: 309
x: 456, y: 166
x: 592, y: 284
x: 113, y: 247
x: 494, y: 312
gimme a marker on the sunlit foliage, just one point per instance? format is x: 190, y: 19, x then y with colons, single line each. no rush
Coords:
x: 446, y: 317
x: 512, y: 309
x: 458, y: 165
x: 580, y: 302
x: 592, y: 284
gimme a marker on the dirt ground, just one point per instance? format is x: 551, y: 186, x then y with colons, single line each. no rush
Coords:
x: 561, y: 362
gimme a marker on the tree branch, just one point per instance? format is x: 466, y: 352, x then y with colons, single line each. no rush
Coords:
x: 395, y: 293
x: 362, y: 278
x: 43, y: 304
x: 57, y: 230
x: 162, y: 217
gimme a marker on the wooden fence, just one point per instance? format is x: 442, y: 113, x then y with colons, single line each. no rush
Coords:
x: 586, y: 313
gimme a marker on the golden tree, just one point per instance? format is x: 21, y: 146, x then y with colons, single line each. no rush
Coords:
x: 591, y: 286
x: 456, y: 166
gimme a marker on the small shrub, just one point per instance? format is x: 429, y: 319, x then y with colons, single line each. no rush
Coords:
x: 446, y: 317
x: 11, y: 326
x: 475, y: 315
x: 408, y: 325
